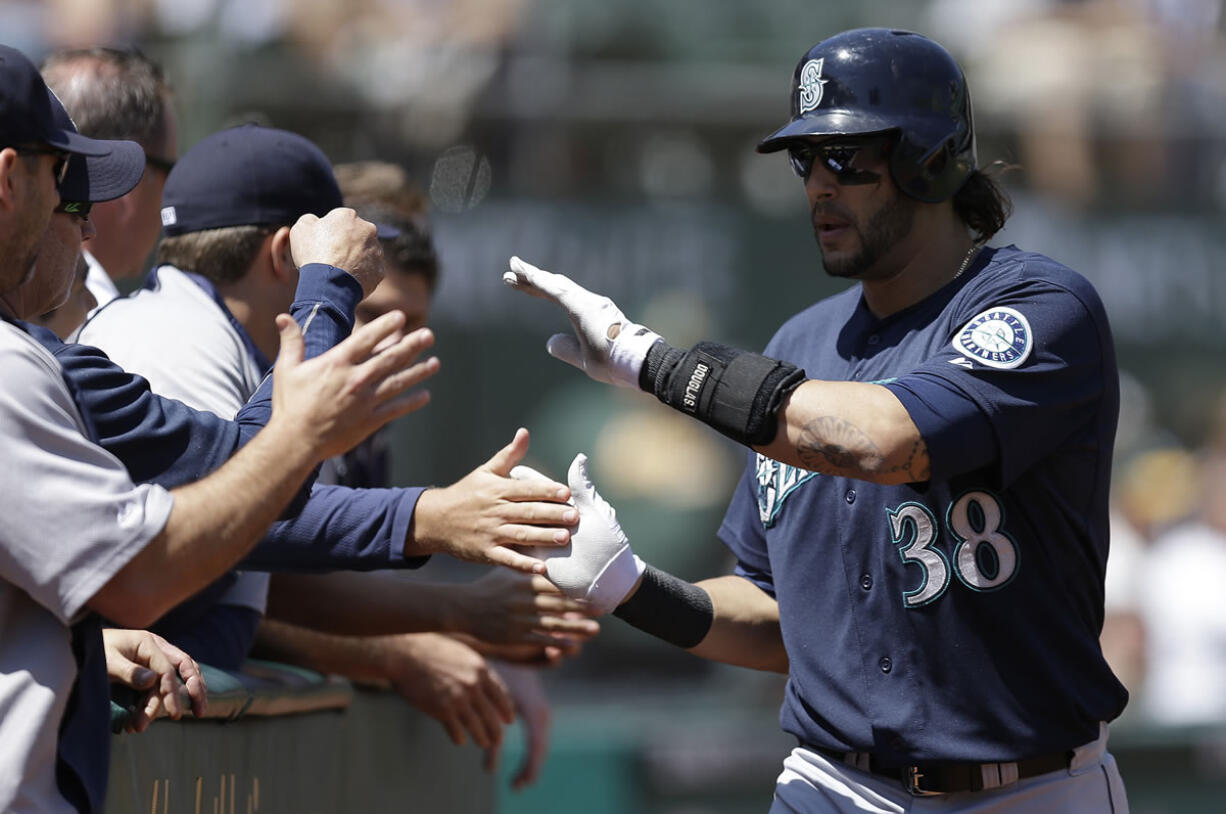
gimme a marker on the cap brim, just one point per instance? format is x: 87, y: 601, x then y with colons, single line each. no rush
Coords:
x: 831, y: 123
x: 95, y: 178
x: 76, y: 143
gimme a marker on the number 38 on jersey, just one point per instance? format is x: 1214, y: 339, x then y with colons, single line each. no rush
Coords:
x: 984, y: 556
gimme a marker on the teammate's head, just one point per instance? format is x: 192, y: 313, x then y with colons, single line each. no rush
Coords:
x: 384, y: 194
x: 87, y: 180
x: 36, y: 141
x: 231, y: 198
x: 114, y: 94
x: 884, y: 110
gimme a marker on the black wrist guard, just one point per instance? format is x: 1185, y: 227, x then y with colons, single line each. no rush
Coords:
x: 669, y: 608
x: 735, y: 391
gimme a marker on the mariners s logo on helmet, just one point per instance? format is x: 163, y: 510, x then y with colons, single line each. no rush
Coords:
x: 810, y: 86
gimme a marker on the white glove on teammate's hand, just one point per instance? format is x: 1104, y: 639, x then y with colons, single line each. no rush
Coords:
x: 597, y: 565
x: 613, y: 361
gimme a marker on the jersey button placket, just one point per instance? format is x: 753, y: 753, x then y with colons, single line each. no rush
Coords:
x: 851, y: 496
x: 866, y: 582
x: 886, y: 664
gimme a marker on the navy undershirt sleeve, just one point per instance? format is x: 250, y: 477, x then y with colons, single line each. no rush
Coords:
x: 341, y: 528
x: 323, y: 307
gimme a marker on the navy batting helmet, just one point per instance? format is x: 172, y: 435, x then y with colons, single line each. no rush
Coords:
x: 878, y: 80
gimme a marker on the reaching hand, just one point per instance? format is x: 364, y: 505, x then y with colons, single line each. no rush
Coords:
x: 606, y: 346
x: 598, y: 566
x: 507, y: 607
x: 333, y: 401
x: 145, y: 661
x: 450, y: 682
x: 524, y: 684
x: 480, y: 516
x: 341, y: 239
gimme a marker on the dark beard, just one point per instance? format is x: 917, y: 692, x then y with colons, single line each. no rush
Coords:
x: 890, y: 224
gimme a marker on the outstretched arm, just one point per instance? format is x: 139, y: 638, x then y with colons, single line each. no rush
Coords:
x: 726, y: 619
x: 849, y: 429
x: 502, y: 607
x: 480, y: 518
x: 321, y: 407
x: 442, y: 677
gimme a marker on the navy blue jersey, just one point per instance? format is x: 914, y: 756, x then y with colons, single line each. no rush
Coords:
x: 955, y: 619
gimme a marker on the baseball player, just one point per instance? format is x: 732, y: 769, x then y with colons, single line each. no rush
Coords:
x: 921, y: 527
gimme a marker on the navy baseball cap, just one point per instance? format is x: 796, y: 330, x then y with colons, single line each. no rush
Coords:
x: 26, y: 115
x: 247, y: 176
x: 100, y: 177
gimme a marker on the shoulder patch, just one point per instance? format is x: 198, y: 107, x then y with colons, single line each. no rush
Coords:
x: 999, y: 337
x: 776, y: 482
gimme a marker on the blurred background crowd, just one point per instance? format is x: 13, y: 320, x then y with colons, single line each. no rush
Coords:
x: 613, y: 141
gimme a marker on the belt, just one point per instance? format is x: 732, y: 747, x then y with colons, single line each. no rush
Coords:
x: 928, y: 779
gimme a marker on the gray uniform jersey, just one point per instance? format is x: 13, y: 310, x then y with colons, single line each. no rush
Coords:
x: 72, y: 519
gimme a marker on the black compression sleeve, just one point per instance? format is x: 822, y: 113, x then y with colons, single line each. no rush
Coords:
x: 669, y: 608
x: 737, y: 392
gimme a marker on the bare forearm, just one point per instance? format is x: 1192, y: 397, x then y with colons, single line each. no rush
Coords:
x: 354, y: 657
x: 363, y: 604
x: 744, y: 628
x: 849, y: 429
x: 215, y: 521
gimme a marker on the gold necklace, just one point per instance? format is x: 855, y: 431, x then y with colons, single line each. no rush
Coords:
x: 966, y: 261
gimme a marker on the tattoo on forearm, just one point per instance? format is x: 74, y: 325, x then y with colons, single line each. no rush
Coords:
x: 916, y: 466
x: 836, y: 446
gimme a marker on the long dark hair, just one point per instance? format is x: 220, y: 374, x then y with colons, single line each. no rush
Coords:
x: 982, y: 203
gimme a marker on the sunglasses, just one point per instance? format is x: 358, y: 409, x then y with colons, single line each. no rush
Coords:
x: 59, y: 169
x: 847, y: 160
x: 79, y: 208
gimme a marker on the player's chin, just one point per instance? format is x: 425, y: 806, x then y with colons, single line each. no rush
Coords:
x: 840, y: 262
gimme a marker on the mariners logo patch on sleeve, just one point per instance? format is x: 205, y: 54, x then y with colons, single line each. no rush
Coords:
x: 999, y: 338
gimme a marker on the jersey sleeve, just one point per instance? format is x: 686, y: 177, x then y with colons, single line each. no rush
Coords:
x: 73, y: 517
x: 340, y: 528
x: 159, y: 440
x: 1023, y: 374
x: 743, y: 534
x: 323, y: 307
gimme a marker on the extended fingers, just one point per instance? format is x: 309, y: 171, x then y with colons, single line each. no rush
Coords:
x: 394, y: 356
x: 393, y: 385
x: 576, y: 625
x: 365, y: 339
x: 529, y: 279
x: 501, y: 555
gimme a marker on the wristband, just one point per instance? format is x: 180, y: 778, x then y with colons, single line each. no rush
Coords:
x: 736, y: 392
x: 669, y: 608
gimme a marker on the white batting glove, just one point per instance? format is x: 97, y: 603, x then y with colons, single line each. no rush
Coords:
x: 613, y: 361
x: 598, y: 565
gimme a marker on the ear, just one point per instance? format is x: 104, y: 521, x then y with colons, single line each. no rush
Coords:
x: 282, y: 260
x: 8, y: 181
